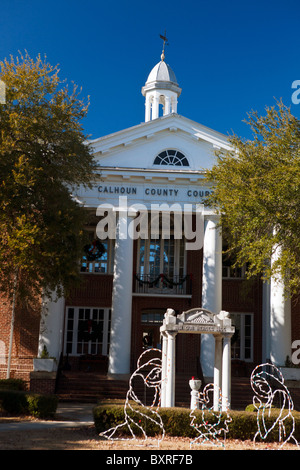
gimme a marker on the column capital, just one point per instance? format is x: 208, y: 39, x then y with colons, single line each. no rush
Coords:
x: 209, y: 215
x: 171, y: 333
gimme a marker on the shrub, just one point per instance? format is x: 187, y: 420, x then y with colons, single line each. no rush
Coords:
x: 13, y: 401
x: 16, y: 402
x: 42, y: 406
x: 177, y: 422
x: 12, y: 384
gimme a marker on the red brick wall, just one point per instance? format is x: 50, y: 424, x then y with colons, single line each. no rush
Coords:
x: 246, y: 296
x: 25, y: 338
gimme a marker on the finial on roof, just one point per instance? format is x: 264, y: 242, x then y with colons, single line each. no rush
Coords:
x: 164, y: 38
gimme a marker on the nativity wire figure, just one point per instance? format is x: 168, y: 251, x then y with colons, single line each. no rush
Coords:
x: 140, y: 416
x: 210, y: 424
x: 270, y: 391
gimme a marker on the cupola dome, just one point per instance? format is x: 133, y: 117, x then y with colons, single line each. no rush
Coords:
x: 161, y: 88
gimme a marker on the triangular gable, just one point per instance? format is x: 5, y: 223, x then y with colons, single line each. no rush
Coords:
x: 146, y: 130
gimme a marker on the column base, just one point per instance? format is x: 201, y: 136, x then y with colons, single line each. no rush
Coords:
x: 118, y: 376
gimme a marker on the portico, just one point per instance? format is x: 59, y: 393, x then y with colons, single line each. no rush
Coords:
x: 197, y: 321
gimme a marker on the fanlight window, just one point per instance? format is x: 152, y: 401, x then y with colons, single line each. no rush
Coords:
x: 172, y: 158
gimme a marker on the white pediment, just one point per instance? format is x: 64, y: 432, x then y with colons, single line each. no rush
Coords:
x: 136, y: 147
x: 197, y: 316
x: 197, y: 320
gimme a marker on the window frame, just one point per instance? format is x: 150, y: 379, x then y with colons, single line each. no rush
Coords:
x: 106, y: 261
x: 72, y: 330
x: 242, y: 336
x: 171, y: 154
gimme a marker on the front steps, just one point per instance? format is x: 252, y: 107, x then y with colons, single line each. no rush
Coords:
x: 94, y: 386
x: 89, y: 387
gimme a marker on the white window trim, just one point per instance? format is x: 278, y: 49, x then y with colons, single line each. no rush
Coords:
x: 242, y: 337
x: 147, y: 257
x: 75, y: 329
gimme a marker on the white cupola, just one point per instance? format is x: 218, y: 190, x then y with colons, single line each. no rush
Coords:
x: 161, y: 88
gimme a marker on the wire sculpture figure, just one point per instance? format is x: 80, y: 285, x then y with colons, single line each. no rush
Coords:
x: 213, y: 424
x: 138, y: 414
x: 267, y: 382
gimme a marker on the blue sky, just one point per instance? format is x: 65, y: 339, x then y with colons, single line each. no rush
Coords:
x: 229, y: 57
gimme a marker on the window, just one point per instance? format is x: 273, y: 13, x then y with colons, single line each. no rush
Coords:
x: 171, y: 158
x: 151, y: 321
x: 229, y: 271
x: 161, y: 267
x: 152, y: 316
x: 87, y: 331
x: 98, y: 256
x: 159, y: 256
x: 242, y: 340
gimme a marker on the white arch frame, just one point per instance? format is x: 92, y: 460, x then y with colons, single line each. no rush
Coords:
x: 198, y: 321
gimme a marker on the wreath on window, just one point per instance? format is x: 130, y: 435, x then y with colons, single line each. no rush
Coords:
x: 94, y: 251
x: 89, y: 330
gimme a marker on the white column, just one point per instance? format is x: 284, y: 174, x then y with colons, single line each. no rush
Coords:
x: 170, y: 385
x: 164, y: 368
x: 226, y: 372
x: 280, y: 324
x: 217, y: 371
x: 155, y: 107
x: 148, y: 108
x: 51, y: 326
x: 120, y: 337
x: 266, y: 297
x: 211, y: 286
x: 174, y: 104
x: 167, y: 109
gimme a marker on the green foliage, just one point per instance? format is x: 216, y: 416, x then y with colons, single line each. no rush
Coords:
x: 12, y: 384
x: 177, y: 422
x: 13, y: 402
x: 16, y: 402
x: 42, y: 406
x: 43, y: 157
x: 256, y: 190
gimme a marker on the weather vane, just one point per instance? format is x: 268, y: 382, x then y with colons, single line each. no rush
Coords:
x: 164, y: 38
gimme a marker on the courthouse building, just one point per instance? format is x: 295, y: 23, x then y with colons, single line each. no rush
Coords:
x: 153, y: 168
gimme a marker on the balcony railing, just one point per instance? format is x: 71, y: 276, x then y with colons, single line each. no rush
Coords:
x: 162, y: 284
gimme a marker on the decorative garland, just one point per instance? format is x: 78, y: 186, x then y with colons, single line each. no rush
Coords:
x: 94, y: 251
x: 164, y: 279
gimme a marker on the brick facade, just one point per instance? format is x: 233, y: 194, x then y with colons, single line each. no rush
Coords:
x: 25, y: 339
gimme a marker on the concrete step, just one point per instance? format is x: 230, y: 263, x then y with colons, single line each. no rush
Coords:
x: 91, y: 386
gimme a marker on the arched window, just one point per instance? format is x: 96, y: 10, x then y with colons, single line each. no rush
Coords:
x: 171, y: 158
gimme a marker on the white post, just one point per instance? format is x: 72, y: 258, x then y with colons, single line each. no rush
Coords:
x: 155, y: 107
x: 164, y: 368
x: 167, y: 105
x: 226, y: 372
x: 211, y: 286
x: 217, y: 371
x: 148, y: 108
x: 120, y: 339
x: 51, y: 326
x: 280, y: 324
x: 280, y: 319
x: 170, y: 385
x: 195, y: 386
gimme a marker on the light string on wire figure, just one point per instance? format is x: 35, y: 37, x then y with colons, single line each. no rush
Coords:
x: 214, y: 423
x: 267, y: 382
x: 136, y: 412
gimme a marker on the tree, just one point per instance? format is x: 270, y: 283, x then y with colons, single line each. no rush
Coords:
x: 43, y: 156
x: 256, y: 190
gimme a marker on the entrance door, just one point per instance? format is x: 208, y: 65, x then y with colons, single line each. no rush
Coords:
x: 87, y: 331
